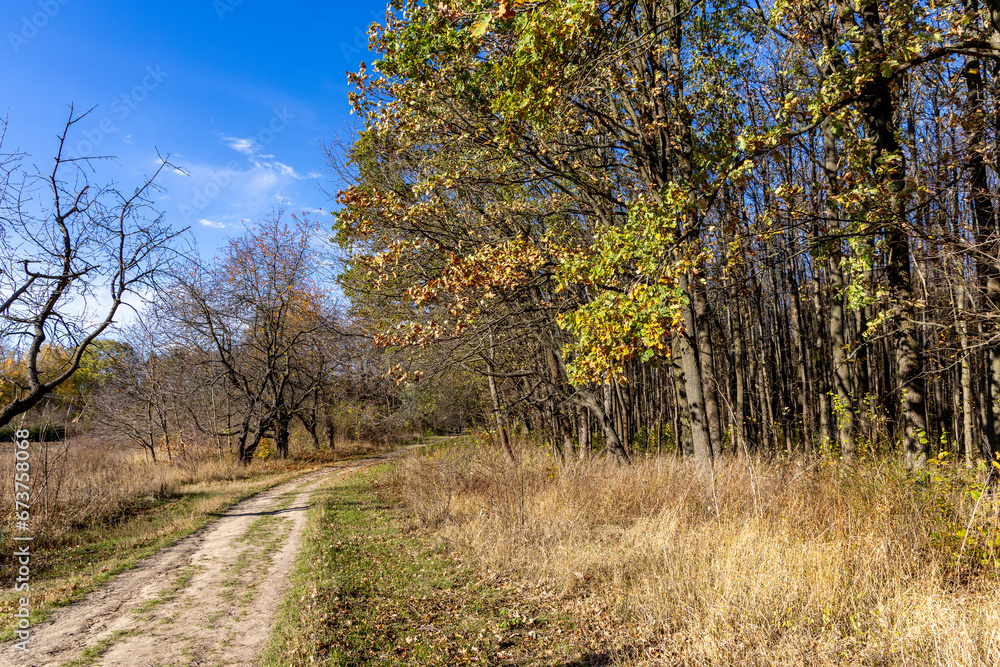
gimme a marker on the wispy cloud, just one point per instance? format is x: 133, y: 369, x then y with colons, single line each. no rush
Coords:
x: 217, y: 196
x: 280, y: 167
x: 177, y: 170
x: 241, y: 145
x: 213, y: 195
x: 264, y: 164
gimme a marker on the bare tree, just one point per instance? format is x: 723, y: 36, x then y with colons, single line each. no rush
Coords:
x: 71, y: 252
x: 258, y: 316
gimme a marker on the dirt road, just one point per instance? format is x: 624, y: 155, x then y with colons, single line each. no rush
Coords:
x: 211, y: 599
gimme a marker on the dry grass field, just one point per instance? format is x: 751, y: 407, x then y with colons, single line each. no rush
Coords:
x: 764, y: 563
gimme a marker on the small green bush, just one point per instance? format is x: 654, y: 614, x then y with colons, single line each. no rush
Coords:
x: 36, y: 433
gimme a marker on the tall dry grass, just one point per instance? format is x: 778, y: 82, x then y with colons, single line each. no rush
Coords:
x: 764, y: 563
x: 81, y: 483
x: 73, y: 485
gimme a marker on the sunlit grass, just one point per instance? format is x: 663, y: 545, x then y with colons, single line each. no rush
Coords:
x: 795, y: 564
x: 370, y: 589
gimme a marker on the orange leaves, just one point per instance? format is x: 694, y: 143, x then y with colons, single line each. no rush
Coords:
x: 400, y: 376
x: 504, y: 11
x: 455, y: 296
x: 503, y: 266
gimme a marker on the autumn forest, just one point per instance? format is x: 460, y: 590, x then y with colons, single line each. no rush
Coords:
x: 699, y: 302
x: 711, y: 228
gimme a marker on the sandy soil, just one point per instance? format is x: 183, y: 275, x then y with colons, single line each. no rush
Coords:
x: 211, y: 599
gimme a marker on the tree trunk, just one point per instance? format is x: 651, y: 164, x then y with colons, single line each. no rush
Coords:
x: 888, y: 164
x: 987, y: 230
x: 706, y: 355
x: 800, y: 355
x: 585, y: 448
x: 683, y: 427
x: 281, y: 437
x: 700, y: 439
x: 248, y: 443
x: 841, y: 371
x: 613, y: 443
x: 331, y: 430
x: 498, y: 421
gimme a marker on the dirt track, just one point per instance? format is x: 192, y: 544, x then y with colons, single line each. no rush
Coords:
x: 210, y: 599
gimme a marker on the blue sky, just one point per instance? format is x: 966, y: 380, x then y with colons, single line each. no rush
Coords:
x: 239, y: 93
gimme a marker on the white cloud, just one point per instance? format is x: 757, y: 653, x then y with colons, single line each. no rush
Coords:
x: 174, y: 168
x: 241, y: 145
x: 285, y: 170
x: 217, y: 196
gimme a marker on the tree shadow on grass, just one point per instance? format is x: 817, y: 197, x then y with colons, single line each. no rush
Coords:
x: 591, y: 660
x: 603, y: 658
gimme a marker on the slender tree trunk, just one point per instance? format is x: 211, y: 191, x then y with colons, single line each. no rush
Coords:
x: 683, y: 428
x: 700, y: 438
x: 706, y: 356
x: 841, y: 371
x: 739, y: 363
x: 613, y: 443
x: 888, y: 165
x: 822, y: 386
x: 498, y: 418
x: 800, y: 355
x: 585, y: 448
x: 987, y: 230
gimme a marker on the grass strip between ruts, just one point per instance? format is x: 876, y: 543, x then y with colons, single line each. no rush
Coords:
x: 370, y: 589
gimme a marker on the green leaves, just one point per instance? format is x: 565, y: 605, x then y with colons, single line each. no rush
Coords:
x: 481, y: 26
x: 633, y: 270
x: 548, y: 47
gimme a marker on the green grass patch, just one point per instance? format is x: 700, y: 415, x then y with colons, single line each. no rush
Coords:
x: 93, y: 653
x: 180, y: 582
x: 264, y: 537
x: 439, y: 443
x: 371, y: 589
